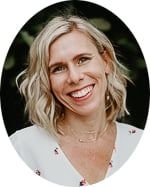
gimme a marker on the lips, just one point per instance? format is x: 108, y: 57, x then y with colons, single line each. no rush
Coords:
x: 82, y: 92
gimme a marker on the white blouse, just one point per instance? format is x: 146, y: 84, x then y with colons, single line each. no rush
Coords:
x: 43, y: 155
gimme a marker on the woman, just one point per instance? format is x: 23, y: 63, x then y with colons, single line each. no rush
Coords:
x: 75, y: 89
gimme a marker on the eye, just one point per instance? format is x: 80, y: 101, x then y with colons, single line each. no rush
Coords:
x: 83, y: 60
x: 58, y: 69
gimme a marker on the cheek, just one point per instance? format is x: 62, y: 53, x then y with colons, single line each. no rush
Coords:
x: 57, y: 86
x: 96, y: 71
x: 98, y: 66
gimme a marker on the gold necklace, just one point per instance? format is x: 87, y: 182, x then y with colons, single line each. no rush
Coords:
x: 89, y: 139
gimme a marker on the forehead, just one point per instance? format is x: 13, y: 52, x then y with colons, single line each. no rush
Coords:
x: 72, y: 43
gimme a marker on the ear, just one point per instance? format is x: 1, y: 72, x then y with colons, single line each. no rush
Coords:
x: 107, y: 61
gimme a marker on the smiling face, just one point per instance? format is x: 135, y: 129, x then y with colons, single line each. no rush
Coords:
x: 78, y: 74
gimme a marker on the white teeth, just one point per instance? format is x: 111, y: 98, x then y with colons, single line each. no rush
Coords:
x: 82, y: 92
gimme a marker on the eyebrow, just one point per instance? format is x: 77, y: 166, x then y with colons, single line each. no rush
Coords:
x: 74, y: 59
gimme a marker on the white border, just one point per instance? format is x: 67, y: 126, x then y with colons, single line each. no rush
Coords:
x: 13, y: 15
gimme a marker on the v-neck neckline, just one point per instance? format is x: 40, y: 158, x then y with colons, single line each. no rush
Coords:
x: 74, y: 170
x: 66, y: 159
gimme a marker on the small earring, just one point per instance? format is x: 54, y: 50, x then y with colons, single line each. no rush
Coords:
x: 107, y: 96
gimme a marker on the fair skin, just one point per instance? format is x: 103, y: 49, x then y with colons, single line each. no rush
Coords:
x: 78, y: 80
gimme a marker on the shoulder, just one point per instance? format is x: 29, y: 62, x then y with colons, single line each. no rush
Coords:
x: 31, y: 136
x: 128, y: 136
x: 35, y: 146
x: 127, y: 130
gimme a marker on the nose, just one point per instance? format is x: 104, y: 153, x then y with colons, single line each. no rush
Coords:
x: 74, y: 75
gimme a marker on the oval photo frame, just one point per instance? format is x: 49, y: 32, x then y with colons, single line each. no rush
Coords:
x: 126, y: 47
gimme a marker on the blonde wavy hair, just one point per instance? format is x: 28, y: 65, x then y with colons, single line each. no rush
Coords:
x: 42, y: 107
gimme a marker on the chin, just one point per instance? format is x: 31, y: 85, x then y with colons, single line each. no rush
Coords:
x: 86, y: 110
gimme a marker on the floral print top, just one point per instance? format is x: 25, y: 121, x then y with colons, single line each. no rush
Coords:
x: 43, y: 155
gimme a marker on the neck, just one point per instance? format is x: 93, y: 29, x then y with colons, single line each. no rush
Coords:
x: 81, y: 124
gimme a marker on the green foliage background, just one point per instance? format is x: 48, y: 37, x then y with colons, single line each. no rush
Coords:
x: 125, y: 44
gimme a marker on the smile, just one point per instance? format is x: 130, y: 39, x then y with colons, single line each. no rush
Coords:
x: 82, y: 93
